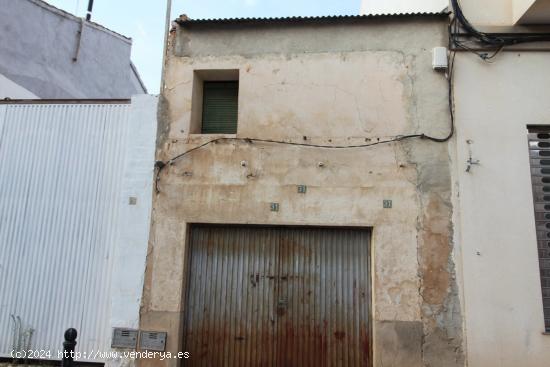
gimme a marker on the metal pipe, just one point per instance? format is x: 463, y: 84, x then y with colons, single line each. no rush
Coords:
x: 20, y: 333
x: 15, y: 333
x: 90, y: 7
x: 79, y: 40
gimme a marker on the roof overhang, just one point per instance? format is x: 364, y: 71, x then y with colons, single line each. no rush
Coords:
x: 185, y: 21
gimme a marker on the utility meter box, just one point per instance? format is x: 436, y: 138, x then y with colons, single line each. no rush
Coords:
x: 440, y: 59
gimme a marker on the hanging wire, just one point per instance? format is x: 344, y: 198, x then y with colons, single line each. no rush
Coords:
x: 160, y: 165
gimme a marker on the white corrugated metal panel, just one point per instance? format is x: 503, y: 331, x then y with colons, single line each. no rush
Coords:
x: 61, y: 172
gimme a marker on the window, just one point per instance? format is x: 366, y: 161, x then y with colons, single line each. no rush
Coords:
x: 214, y: 106
x: 539, y: 154
x: 219, y: 107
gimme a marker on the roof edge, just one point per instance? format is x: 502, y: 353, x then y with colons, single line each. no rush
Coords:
x: 65, y: 101
x: 43, y: 4
x: 138, y: 77
x: 184, y: 21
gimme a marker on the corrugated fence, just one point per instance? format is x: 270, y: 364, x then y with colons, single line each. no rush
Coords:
x: 61, y: 169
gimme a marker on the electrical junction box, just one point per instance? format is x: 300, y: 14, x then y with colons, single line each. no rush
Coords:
x: 152, y: 340
x: 124, y: 338
x: 440, y: 59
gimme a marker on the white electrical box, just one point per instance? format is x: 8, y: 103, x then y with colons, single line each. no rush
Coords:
x: 124, y: 338
x: 440, y: 60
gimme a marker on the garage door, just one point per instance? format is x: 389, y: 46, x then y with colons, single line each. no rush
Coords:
x: 278, y: 296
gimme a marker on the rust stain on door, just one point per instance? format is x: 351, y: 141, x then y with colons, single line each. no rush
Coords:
x: 278, y: 296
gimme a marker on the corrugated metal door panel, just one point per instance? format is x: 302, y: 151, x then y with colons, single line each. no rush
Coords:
x: 220, y: 107
x: 274, y: 296
x: 60, y: 171
x: 324, y: 298
x: 229, y: 318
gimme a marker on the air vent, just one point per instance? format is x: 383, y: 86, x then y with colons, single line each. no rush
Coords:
x: 152, y: 340
x: 539, y: 151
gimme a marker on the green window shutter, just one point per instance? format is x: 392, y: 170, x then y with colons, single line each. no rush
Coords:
x: 219, y: 109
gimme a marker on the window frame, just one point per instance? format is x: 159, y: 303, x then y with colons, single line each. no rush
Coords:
x: 208, y: 75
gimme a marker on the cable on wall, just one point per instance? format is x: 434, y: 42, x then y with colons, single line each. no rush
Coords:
x: 160, y: 165
x: 496, y: 41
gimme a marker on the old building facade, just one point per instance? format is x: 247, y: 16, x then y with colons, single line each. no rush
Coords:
x: 303, y: 211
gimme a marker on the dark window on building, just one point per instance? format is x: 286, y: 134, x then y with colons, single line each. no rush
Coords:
x: 539, y: 155
x: 220, y: 107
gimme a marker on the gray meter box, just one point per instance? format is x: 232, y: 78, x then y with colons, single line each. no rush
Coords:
x: 124, y: 338
x: 152, y: 340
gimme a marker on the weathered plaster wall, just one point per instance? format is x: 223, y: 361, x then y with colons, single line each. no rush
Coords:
x: 38, y: 43
x: 503, y: 301
x: 328, y: 84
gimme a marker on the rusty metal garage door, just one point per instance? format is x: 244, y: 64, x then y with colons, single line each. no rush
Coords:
x: 278, y: 296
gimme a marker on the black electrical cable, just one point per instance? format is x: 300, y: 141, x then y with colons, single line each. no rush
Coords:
x: 453, y: 40
x: 160, y: 165
x: 498, y: 41
x: 495, y: 39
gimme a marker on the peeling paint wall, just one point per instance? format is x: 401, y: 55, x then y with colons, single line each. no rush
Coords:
x: 335, y: 84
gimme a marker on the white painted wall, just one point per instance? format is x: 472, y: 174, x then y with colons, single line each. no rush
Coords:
x: 10, y: 89
x: 39, y: 54
x: 532, y: 11
x: 133, y: 232
x: 488, y: 12
x: 72, y: 248
x: 495, y: 228
x: 481, y: 12
x: 402, y: 6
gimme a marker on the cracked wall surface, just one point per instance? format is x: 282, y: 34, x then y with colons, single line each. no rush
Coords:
x: 334, y: 84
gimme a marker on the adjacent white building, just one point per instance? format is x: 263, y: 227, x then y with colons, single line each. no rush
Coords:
x: 77, y: 135
x: 48, y: 53
x: 499, y: 180
x: 75, y: 202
